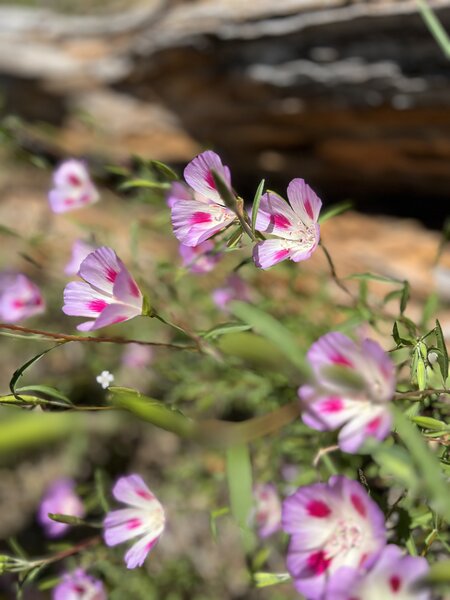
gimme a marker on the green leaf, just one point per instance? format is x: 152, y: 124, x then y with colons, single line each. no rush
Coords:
x: 430, y: 423
x: 224, y: 329
x: 164, y: 169
x: 394, y: 461
x: 274, y: 331
x: 213, y: 516
x: 435, y: 26
x: 224, y: 191
x: 373, y: 277
x: 404, y: 297
x: 47, y: 390
x: 443, y: 354
x: 240, y: 488
x: 235, y: 237
x: 262, y: 579
x: 21, y: 370
x: 421, y: 373
x: 144, y: 183
x: 67, y: 519
x: 333, y: 211
x: 439, y: 572
x: 426, y: 463
x: 256, y: 203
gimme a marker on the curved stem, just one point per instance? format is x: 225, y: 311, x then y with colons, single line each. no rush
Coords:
x: 421, y: 393
x: 334, y: 275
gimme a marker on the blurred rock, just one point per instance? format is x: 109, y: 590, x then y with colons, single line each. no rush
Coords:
x: 353, y: 96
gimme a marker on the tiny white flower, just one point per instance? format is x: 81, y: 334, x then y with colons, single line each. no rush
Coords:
x: 105, y: 379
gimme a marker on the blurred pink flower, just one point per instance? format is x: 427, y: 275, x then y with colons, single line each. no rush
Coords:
x: 108, y: 294
x: 78, y: 585
x: 235, y: 289
x: 201, y: 258
x: 353, y: 386
x: 394, y: 576
x: 20, y: 298
x: 72, y: 187
x: 199, y: 212
x: 295, y: 226
x: 267, y: 512
x: 80, y: 250
x: 62, y: 499
x: 144, y: 519
x: 332, y: 525
x: 137, y: 356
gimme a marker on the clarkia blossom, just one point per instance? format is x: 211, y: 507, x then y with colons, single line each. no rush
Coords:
x: 267, y: 513
x: 80, y: 250
x: 72, y: 187
x: 394, y: 576
x: 62, y: 499
x: 198, y: 212
x: 78, y: 585
x: 295, y: 226
x: 200, y: 259
x: 108, y: 294
x: 20, y: 298
x: 332, y: 525
x: 144, y: 519
x: 235, y: 289
x: 353, y: 385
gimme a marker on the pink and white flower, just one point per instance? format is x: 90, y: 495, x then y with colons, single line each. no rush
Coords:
x: 20, y: 298
x: 332, y: 525
x: 72, y: 187
x: 108, y: 294
x: 78, y: 585
x: 61, y: 499
x: 80, y: 250
x: 267, y: 513
x: 394, y: 576
x: 235, y: 289
x: 295, y: 226
x: 198, y: 212
x: 200, y: 259
x: 354, y: 383
x: 144, y: 519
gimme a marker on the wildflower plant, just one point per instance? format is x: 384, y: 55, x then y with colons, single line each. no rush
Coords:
x: 253, y: 379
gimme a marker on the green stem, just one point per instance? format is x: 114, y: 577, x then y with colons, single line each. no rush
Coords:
x: 334, y: 275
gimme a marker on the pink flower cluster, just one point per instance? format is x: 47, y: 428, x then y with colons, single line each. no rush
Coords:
x: 199, y: 212
x: 20, y: 298
x: 338, y: 546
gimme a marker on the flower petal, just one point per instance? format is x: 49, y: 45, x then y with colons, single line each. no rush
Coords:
x: 373, y: 421
x: 276, y: 216
x: 113, y: 314
x: 198, y: 175
x: 194, y: 222
x: 270, y: 252
x: 80, y: 300
x: 125, y: 524
x: 126, y: 289
x: 136, y: 555
x: 133, y: 490
x: 304, y: 201
x: 326, y: 412
x: 100, y: 269
x: 178, y: 193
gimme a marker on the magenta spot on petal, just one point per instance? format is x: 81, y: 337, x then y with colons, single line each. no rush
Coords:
x: 145, y: 494
x: 331, y: 405
x: 358, y: 504
x: 317, y: 508
x: 280, y: 221
x: 85, y: 199
x: 318, y: 562
x: 209, y: 180
x: 133, y: 523
x: 373, y: 425
x: 363, y: 559
x: 395, y: 583
x: 134, y: 290
x: 78, y: 589
x: 111, y: 275
x: 338, y: 359
x: 309, y: 209
x: 200, y: 217
x: 150, y: 545
x: 119, y: 319
x: 73, y: 179
x: 69, y: 201
x: 97, y: 305
x: 281, y: 254
x: 18, y: 303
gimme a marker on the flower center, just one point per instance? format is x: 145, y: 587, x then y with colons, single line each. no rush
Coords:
x: 346, y: 536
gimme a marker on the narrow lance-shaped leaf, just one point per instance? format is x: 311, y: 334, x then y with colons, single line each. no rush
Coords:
x: 21, y: 370
x: 240, y: 487
x: 443, y: 354
x: 256, y: 203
